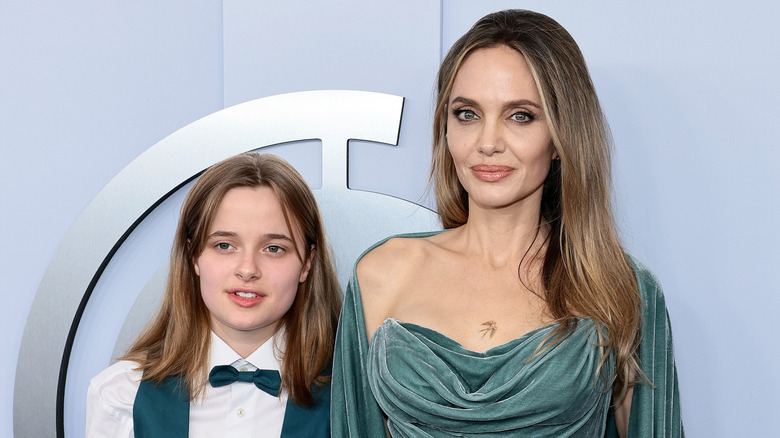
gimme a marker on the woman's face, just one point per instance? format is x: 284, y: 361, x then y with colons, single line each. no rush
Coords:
x: 496, y: 131
x: 249, y: 269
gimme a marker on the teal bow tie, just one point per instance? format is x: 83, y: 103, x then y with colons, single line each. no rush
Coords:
x: 267, y: 380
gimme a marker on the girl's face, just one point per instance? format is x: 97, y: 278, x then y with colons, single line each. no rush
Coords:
x: 249, y: 269
x: 496, y: 130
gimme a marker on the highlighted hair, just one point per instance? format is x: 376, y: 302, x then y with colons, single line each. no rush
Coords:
x: 586, y: 272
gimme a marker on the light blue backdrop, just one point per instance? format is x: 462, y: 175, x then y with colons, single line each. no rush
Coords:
x: 690, y: 91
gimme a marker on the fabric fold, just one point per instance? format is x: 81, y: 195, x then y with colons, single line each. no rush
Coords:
x: 427, y: 383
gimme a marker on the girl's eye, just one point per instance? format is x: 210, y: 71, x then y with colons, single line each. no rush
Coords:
x: 274, y: 249
x: 224, y: 246
x: 522, y: 116
x: 465, y: 114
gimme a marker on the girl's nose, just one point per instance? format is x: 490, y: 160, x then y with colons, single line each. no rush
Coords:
x: 248, y: 269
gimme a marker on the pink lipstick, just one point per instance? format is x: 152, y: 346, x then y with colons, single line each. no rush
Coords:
x: 491, y: 172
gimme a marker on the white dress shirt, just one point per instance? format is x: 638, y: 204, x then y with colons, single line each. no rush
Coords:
x: 236, y: 410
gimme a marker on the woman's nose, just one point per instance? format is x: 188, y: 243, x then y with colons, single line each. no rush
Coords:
x: 491, y: 139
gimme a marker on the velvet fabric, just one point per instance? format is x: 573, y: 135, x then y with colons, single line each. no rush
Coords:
x: 416, y: 382
x: 429, y: 385
x: 162, y: 410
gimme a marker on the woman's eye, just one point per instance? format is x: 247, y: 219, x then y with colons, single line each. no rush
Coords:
x: 224, y: 246
x: 465, y: 114
x: 522, y: 116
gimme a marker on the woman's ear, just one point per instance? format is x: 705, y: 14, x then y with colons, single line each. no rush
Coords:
x: 446, y: 119
x: 307, y: 266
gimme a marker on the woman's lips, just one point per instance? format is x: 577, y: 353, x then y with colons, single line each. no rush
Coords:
x: 491, y: 172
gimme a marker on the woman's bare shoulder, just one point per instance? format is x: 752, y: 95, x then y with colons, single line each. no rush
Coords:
x: 387, y: 272
x: 390, y: 262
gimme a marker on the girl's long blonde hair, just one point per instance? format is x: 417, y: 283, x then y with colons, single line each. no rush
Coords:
x: 177, y: 341
x: 585, y: 271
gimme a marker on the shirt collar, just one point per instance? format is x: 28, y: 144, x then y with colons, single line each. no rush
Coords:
x: 262, y: 358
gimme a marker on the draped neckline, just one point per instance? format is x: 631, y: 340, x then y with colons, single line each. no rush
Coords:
x: 430, y: 385
x: 449, y: 343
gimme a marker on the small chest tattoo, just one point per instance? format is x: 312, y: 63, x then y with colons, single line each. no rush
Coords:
x: 490, y: 328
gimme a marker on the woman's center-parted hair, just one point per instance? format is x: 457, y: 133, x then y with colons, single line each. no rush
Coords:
x: 569, y: 101
x: 585, y: 271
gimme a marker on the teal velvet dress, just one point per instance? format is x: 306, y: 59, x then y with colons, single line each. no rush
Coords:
x: 425, y: 384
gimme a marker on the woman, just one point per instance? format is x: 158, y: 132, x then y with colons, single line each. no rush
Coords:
x: 242, y: 343
x: 525, y: 317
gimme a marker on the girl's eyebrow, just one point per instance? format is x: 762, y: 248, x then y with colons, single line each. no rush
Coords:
x: 222, y: 234
x: 276, y: 236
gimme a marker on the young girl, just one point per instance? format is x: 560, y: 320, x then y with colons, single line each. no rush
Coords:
x: 252, y: 298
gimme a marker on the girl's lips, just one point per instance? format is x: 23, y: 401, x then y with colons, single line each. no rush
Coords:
x: 491, y: 172
x: 246, y: 298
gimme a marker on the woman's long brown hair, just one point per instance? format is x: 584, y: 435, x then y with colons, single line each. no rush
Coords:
x: 586, y: 272
x: 177, y: 341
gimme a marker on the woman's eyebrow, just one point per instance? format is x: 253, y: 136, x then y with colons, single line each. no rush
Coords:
x: 522, y: 102
x: 464, y: 100
x: 510, y: 104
